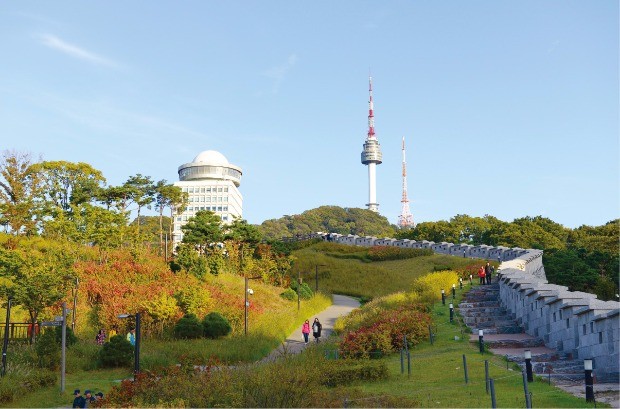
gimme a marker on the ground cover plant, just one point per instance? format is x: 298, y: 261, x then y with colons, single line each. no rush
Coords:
x: 367, y: 279
x: 437, y: 374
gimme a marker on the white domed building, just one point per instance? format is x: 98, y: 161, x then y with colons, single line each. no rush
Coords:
x: 211, y: 184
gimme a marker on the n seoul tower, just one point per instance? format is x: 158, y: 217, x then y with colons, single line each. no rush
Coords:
x: 371, y: 155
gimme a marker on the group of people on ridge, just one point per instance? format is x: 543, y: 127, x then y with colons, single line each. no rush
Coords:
x: 316, y: 330
x: 485, y: 273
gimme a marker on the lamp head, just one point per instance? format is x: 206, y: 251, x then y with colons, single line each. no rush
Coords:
x: 527, y: 354
x: 123, y: 316
x: 250, y: 291
x: 587, y: 364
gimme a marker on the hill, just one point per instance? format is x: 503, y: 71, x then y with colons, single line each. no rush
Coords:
x: 333, y: 219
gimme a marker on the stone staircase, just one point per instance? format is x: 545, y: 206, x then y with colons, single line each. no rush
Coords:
x: 481, y: 310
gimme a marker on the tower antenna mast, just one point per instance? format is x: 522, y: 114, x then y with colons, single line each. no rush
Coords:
x: 405, y: 220
x: 371, y: 155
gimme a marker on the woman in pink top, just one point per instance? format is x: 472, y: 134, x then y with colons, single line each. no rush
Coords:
x: 306, y: 330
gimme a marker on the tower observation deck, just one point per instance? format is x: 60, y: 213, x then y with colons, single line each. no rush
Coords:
x: 371, y: 155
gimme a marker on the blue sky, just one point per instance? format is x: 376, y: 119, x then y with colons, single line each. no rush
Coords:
x: 508, y: 108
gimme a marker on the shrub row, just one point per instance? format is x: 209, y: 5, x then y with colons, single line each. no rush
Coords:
x: 385, y: 253
x: 213, y: 325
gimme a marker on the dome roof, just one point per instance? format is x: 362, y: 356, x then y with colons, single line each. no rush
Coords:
x: 211, y: 158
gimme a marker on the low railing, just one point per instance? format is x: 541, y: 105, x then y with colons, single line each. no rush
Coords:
x: 18, y: 330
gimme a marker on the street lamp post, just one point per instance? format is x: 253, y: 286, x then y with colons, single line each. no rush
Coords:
x: 74, y: 290
x: 298, y: 289
x: 587, y: 365
x: 136, y: 362
x: 248, y: 291
x: 5, y: 344
x: 316, y: 276
x: 528, y: 365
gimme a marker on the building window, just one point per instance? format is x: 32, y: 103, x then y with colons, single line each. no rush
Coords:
x: 208, y: 190
x: 600, y: 337
x: 567, y: 323
x: 225, y: 189
x: 225, y: 199
x: 191, y: 190
x: 179, y: 219
x: 208, y: 199
x: 185, y: 189
x: 225, y: 208
x: 554, y: 317
x: 219, y: 199
x: 584, y: 329
x: 219, y: 189
x: 202, y: 190
x: 560, y: 314
x: 591, y: 327
x: 219, y: 208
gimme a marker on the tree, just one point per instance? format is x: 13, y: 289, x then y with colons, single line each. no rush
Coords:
x: 204, y: 230
x: 141, y: 192
x: 67, y: 184
x: 19, y: 191
x: 167, y: 196
x: 35, y: 278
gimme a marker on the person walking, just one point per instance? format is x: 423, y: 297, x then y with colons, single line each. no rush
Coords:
x: 112, y: 333
x: 316, y: 329
x: 305, y: 330
x: 131, y: 337
x: 487, y: 272
x: 481, y: 274
x: 78, y: 401
x: 100, y: 338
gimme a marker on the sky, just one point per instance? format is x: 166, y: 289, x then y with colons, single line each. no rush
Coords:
x: 508, y: 108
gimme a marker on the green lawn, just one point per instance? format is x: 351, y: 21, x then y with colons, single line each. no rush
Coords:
x: 437, y: 376
x: 368, y: 279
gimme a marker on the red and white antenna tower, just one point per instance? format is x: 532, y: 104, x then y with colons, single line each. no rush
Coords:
x: 405, y: 220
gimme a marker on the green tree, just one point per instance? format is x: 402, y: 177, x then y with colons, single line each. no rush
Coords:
x: 35, y: 278
x: 204, y: 230
x: 167, y: 196
x: 20, y: 186
x: 68, y: 184
x: 141, y: 192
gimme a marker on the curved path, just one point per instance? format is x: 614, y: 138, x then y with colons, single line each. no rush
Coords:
x: 342, y: 305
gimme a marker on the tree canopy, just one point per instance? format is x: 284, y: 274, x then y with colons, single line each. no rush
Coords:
x: 333, y: 219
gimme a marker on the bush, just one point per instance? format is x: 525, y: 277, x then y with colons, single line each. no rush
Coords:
x: 117, y: 352
x: 289, y: 294
x: 344, y: 372
x: 70, y: 338
x: 48, y: 350
x: 215, y: 325
x: 305, y: 292
x: 188, y: 327
x: 384, y: 253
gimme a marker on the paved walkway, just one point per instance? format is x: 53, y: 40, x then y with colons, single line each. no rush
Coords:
x: 294, y: 344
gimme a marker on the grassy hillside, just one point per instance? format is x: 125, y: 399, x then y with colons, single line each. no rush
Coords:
x: 343, y: 272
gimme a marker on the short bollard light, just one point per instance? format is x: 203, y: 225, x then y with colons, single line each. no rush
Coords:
x: 453, y: 291
x: 481, y: 340
x: 443, y: 297
x: 461, y: 283
x: 470, y: 280
x: 587, y: 365
x: 528, y: 365
x: 451, y: 312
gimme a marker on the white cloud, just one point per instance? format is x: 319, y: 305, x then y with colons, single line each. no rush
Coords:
x: 56, y: 43
x: 279, y: 72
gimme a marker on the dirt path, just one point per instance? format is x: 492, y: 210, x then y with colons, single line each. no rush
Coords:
x: 342, y: 305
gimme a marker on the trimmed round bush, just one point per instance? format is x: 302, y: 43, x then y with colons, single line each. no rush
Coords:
x: 215, y: 325
x: 117, y: 352
x: 188, y: 327
x: 289, y: 294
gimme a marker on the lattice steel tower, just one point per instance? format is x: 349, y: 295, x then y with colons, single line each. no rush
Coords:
x: 371, y: 155
x: 405, y: 220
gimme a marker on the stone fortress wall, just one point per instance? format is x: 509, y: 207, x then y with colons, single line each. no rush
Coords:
x: 576, y: 324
